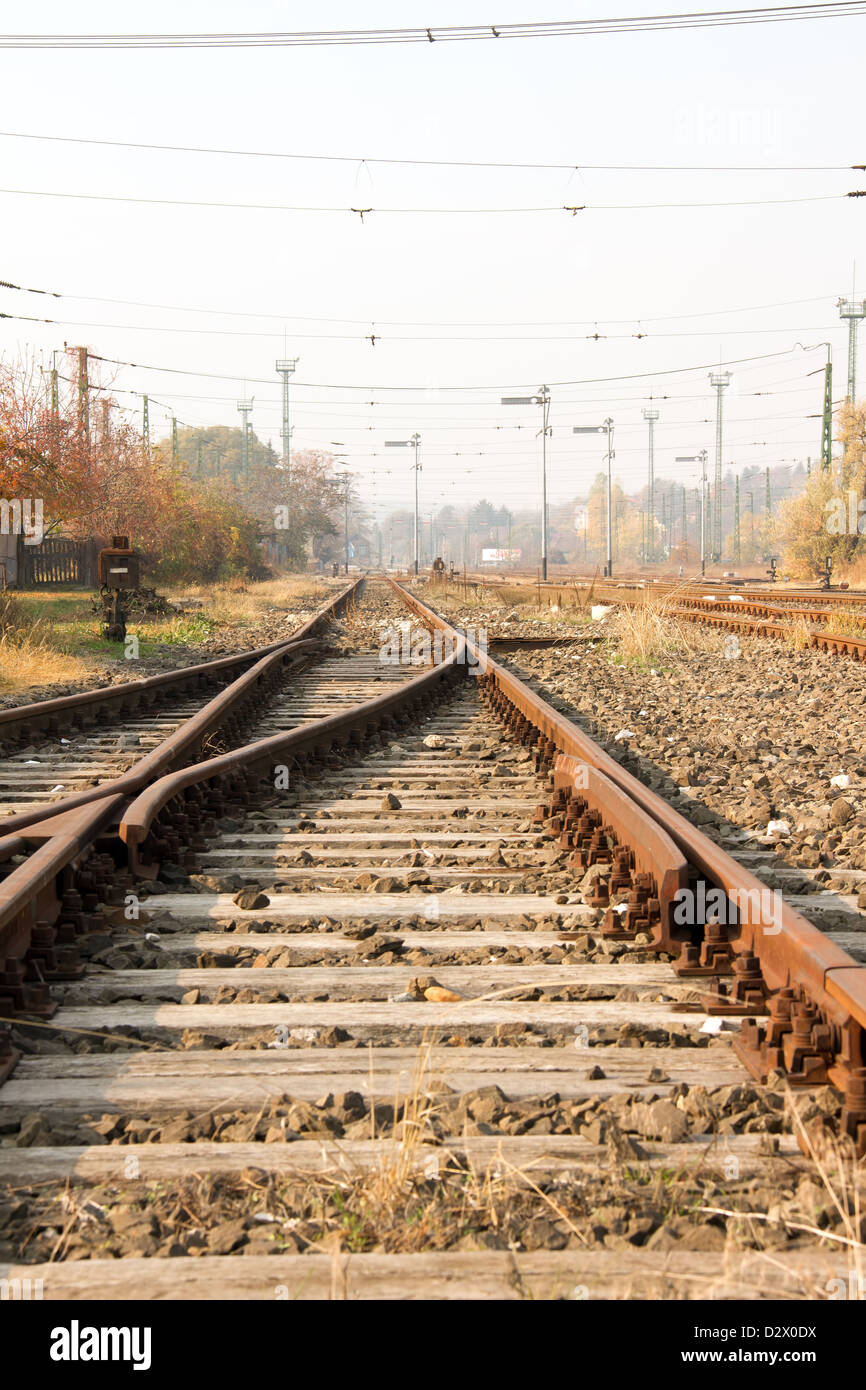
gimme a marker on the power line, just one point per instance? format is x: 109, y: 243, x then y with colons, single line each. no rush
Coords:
x: 576, y: 167
x: 417, y: 337
x: 453, y: 33
x: 343, y: 386
x: 419, y: 323
x: 362, y: 212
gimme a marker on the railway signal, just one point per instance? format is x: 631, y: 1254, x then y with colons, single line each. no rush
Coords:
x: 406, y: 444
x: 600, y: 429
x: 542, y: 398
x: 700, y: 458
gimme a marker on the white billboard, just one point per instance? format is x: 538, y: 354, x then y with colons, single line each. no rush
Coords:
x: 499, y: 557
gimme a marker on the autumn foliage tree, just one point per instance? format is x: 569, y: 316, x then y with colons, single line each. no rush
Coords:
x: 88, y: 464
x: 829, y: 517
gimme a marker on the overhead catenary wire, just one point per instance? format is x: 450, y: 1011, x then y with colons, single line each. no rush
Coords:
x: 446, y: 33
x: 362, y: 212
x: 576, y: 166
x: 494, y: 386
x: 419, y: 323
x: 416, y: 338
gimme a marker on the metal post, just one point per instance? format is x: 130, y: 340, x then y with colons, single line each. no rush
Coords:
x: 542, y: 398
x: 545, y: 417
x: 703, y: 457
x: 245, y: 408
x: 285, y: 367
x: 720, y: 381
x: 608, y: 424
x: 650, y: 416
x: 416, y: 439
x: 346, y: 528
x: 827, y: 416
x: 83, y: 393
x: 173, y: 439
x: 145, y: 422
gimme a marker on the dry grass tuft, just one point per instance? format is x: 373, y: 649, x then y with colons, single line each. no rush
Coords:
x: 799, y: 634
x: 651, y: 629
x: 29, y: 655
x: 847, y: 623
x: 243, y: 601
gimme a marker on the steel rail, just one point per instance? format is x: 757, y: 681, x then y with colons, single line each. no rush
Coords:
x: 138, y: 820
x: 227, y: 704
x: 814, y: 991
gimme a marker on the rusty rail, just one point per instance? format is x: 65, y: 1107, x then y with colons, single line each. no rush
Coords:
x: 801, y: 999
x: 776, y: 963
x: 84, y: 705
x: 227, y: 706
x: 148, y: 828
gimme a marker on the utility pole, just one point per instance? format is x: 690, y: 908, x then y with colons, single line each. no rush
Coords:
x: 84, y: 400
x: 198, y: 459
x: 173, y: 439
x: 83, y: 392
x: 285, y: 368
x: 827, y: 415
x: 719, y: 381
x: 55, y: 389
x: 55, y: 409
x: 245, y: 408
x: 145, y: 422
x: 650, y: 416
x: 736, y: 519
x: 750, y: 498
x: 853, y: 310
x: 346, y: 524
x: 683, y: 530
x: 769, y: 496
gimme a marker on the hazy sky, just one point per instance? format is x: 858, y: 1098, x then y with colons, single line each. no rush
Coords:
x: 488, y: 303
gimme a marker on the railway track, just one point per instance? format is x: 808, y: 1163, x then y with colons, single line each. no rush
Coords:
x: 737, y: 611
x: 62, y: 750
x: 408, y: 1012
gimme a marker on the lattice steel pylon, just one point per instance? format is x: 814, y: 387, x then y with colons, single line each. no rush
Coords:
x: 719, y: 381
x: 853, y: 310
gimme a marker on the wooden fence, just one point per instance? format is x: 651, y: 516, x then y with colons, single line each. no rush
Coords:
x: 56, y: 560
